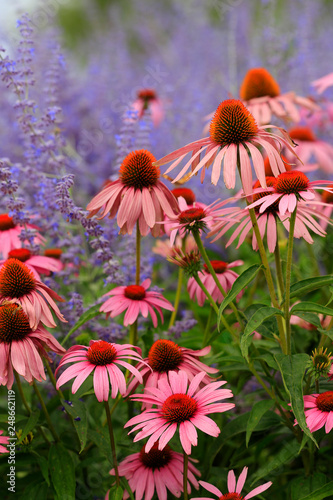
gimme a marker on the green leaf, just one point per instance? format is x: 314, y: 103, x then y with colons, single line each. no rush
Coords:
x: 328, y: 333
x: 309, y: 317
x: 62, y: 472
x: 31, y: 423
x: 101, y: 438
x: 256, y: 320
x: 78, y: 410
x: 305, y: 286
x: 35, y: 491
x: 292, y: 370
x: 323, y: 492
x: 116, y: 493
x: 258, y: 410
x: 312, y: 307
x: 86, y: 316
x: 281, y: 459
x: 302, y: 486
x: 241, y: 282
x: 44, y: 467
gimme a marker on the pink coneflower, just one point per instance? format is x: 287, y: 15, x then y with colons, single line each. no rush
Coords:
x: 4, y: 440
x: 319, y: 411
x: 327, y: 199
x: 167, y: 250
x: 135, y: 299
x: 148, y: 99
x: 224, y: 274
x: 21, y: 347
x: 101, y: 358
x: 19, y: 285
x: 233, y: 488
x: 138, y: 195
x: 179, y: 404
x: 321, y: 84
x: 9, y: 235
x: 233, y: 133
x: 38, y: 264
x: 159, y: 470
x: 165, y: 356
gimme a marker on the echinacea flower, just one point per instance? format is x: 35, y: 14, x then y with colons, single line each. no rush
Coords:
x: 21, y: 347
x: 319, y: 411
x: 148, y: 99
x: 321, y: 84
x: 102, y: 359
x: 135, y: 299
x: 38, y: 264
x: 233, y: 134
x: 179, y: 404
x: 234, y: 489
x: 19, y: 285
x: 224, y: 274
x: 166, y: 250
x: 4, y: 440
x: 159, y: 470
x: 165, y: 356
x: 190, y: 262
x: 9, y: 235
x: 138, y: 196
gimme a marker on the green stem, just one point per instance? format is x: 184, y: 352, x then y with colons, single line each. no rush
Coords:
x: 19, y: 386
x: 292, y: 221
x: 52, y: 378
x: 138, y: 254
x: 207, y: 329
x: 113, y: 446
x: 278, y: 268
x: 46, y: 413
x: 185, y: 475
x: 205, y: 257
x: 317, y: 385
x: 133, y: 333
x: 177, y: 298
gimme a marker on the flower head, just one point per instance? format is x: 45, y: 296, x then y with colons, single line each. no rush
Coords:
x: 159, y: 470
x: 135, y: 299
x: 148, y: 99
x: 185, y: 193
x: 319, y: 411
x: 320, y: 363
x: 9, y: 235
x: 234, y: 488
x: 189, y: 261
x: 4, y: 440
x: 21, y: 347
x: 38, y: 264
x: 310, y: 148
x: 102, y: 359
x: 138, y: 195
x: 166, y: 250
x: 179, y: 405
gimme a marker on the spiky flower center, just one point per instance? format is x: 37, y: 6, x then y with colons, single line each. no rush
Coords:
x: 218, y: 265
x: 268, y: 168
x: 138, y: 171
x: 324, y: 401
x: 21, y: 254
x: 231, y: 496
x: 146, y: 94
x: 232, y: 123
x: 185, y: 193
x: 101, y: 353
x: 302, y: 134
x: 14, y: 323
x: 191, y: 215
x: 16, y: 279
x: 135, y: 292
x: 164, y: 355
x: 6, y: 222
x: 178, y: 408
x: 270, y: 181
x: 291, y: 182
x: 258, y: 82
x: 155, y: 458
x: 55, y: 253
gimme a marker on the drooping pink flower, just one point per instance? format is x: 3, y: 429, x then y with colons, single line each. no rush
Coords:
x: 19, y: 285
x: 321, y: 84
x: 167, y: 250
x: 224, y: 274
x: 148, y: 99
x: 138, y: 196
x: 157, y: 470
x: 102, y: 359
x: 233, y: 134
x: 9, y: 235
x: 234, y: 488
x: 38, y: 264
x: 165, y: 356
x: 179, y: 404
x: 319, y: 411
x: 21, y: 347
x: 4, y: 440
x: 135, y: 299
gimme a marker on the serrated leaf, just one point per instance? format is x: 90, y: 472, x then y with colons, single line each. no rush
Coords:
x: 86, y: 316
x: 312, y: 307
x: 254, y: 322
x: 308, y: 285
x: 292, y: 369
x: 258, y: 410
x: 241, y: 282
x: 78, y: 410
x: 62, y: 472
x: 31, y: 423
x: 323, y: 492
x: 281, y: 459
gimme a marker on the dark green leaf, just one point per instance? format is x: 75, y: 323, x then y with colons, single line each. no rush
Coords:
x: 44, y: 467
x: 312, y: 307
x: 302, y: 486
x: 116, y: 493
x: 101, y: 439
x: 323, y: 492
x: 241, y: 282
x: 62, y: 472
x: 281, y: 459
x: 34, y: 491
x: 256, y: 320
x: 305, y: 286
x: 78, y: 410
x: 86, y: 316
x: 309, y: 317
x: 32, y: 421
x: 328, y: 333
x: 258, y: 410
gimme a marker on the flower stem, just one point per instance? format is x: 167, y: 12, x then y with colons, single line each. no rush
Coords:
x: 317, y: 385
x: 52, y: 378
x: 113, y: 446
x: 207, y: 329
x: 288, y: 278
x: 46, y: 413
x: 133, y: 334
x: 278, y: 268
x: 19, y: 386
x: 177, y: 298
x: 138, y: 254
x: 185, y: 475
